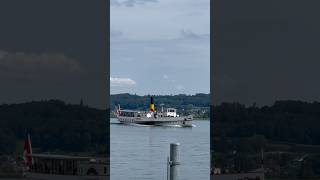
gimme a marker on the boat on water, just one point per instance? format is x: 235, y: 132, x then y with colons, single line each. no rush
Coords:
x: 165, y: 117
x: 63, y: 167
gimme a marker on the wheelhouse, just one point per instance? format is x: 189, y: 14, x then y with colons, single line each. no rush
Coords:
x: 171, y: 112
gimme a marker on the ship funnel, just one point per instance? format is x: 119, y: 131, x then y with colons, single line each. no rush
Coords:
x: 151, y: 104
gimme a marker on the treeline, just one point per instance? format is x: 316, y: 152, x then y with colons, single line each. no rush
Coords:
x: 288, y: 132
x: 181, y: 101
x: 53, y: 126
x: 285, y: 121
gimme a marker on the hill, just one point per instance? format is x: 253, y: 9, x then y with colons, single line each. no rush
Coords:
x: 284, y: 121
x: 53, y: 126
x: 288, y: 132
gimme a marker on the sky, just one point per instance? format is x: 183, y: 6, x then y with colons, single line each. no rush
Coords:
x: 53, y: 49
x: 266, y: 51
x: 160, y: 46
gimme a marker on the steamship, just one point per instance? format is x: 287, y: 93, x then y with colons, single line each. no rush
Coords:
x: 165, y: 117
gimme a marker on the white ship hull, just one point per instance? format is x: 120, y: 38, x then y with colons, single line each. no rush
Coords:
x: 162, y: 121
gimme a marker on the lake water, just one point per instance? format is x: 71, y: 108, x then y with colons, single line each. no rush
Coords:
x: 140, y: 152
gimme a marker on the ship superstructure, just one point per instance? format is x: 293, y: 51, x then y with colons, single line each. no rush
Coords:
x: 63, y: 167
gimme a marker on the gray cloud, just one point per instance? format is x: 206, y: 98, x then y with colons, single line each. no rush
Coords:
x: 180, y: 87
x: 31, y: 66
x: 130, y: 3
x: 146, y: 61
x: 267, y: 51
x: 116, y: 33
x: 190, y: 34
x: 164, y: 47
x: 44, y: 56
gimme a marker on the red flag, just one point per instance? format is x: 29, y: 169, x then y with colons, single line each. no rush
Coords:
x: 27, y: 152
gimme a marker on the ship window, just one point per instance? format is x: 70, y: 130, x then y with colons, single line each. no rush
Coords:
x: 128, y: 114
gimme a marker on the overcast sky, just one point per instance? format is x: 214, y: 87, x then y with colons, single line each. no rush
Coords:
x: 160, y: 46
x: 266, y: 51
x: 53, y: 49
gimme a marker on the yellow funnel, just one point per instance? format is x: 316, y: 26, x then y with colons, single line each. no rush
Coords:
x: 151, y: 104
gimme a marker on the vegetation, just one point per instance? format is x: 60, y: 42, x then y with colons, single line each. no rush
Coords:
x: 287, y: 121
x: 54, y: 126
x: 288, y: 132
x: 197, y: 104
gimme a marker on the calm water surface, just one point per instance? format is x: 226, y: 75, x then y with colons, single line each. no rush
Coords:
x: 140, y: 152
